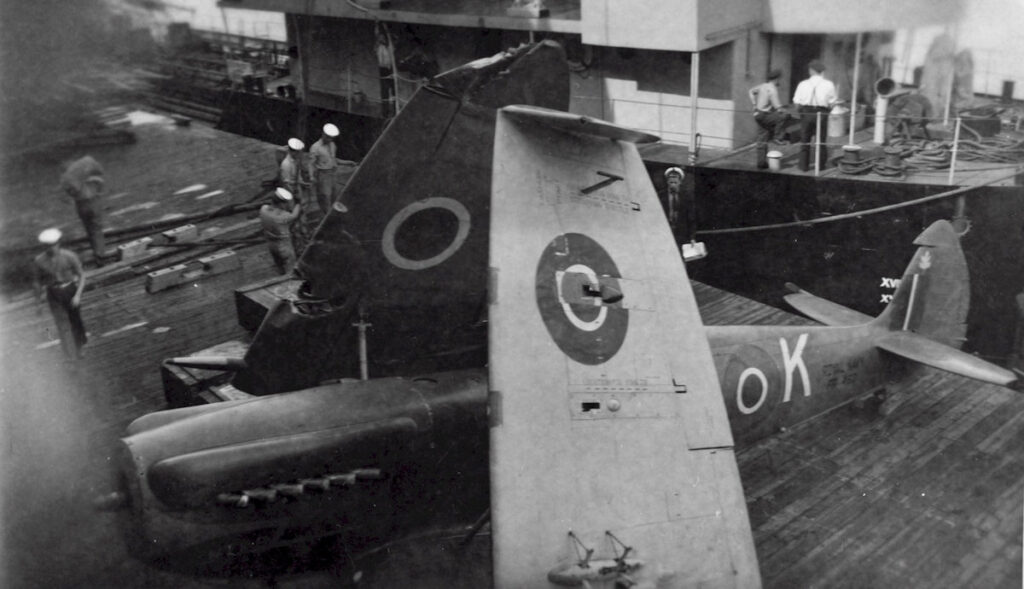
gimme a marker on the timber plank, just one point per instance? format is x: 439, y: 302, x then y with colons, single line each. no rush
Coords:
x: 930, y: 496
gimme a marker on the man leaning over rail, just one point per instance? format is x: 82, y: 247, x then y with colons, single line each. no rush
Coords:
x: 768, y: 114
x: 82, y: 180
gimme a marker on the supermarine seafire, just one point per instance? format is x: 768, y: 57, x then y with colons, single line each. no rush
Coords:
x: 536, y: 319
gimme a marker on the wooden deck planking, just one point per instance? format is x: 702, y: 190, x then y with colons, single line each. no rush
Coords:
x: 130, y: 332
x: 909, y: 499
x: 718, y: 307
x: 141, y: 181
x: 931, y: 495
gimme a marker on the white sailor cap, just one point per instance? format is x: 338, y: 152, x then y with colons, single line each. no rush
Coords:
x: 283, y: 194
x: 675, y: 170
x: 50, y: 236
x: 296, y: 144
x: 330, y: 130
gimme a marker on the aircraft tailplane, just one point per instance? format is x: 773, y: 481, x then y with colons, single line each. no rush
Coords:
x: 925, y: 351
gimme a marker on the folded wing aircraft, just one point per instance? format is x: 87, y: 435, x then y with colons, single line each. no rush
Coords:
x: 553, y: 368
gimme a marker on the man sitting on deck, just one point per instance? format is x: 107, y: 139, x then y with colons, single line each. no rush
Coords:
x: 769, y: 115
x: 908, y: 112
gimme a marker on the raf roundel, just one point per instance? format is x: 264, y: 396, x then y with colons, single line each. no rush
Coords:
x: 575, y: 277
x: 440, y: 237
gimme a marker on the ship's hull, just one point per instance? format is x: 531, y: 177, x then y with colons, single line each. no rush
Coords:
x: 856, y: 261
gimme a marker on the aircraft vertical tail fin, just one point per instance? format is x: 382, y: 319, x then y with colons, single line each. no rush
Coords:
x: 409, y: 252
x: 933, y: 295
x: 926, y: 321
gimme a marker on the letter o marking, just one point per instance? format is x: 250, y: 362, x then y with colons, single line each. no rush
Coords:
x: 449, y: 204
x: 751, y: 371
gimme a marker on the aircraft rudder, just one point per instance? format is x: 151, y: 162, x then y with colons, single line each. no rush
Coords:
x: 933, y: 295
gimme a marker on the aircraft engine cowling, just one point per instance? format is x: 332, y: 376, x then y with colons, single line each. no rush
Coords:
x: 211, y: 484
x: 194, y: 480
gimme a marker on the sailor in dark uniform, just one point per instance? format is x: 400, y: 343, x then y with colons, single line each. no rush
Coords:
x: 678, y: 206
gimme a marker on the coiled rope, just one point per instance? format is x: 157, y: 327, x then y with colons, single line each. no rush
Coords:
x: 908, y: 155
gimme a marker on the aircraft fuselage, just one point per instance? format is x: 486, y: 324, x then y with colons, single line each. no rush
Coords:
x: 774, y: 377
x: 231, y: 481
x: 771, y: 378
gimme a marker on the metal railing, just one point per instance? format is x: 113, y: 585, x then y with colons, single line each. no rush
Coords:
x: 903, y: 153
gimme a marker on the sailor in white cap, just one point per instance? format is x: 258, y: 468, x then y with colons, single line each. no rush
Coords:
x: 291, y: 177
x: 322, y: 166
x: 673, y: 182
x: 276, y: 219
x: 57, y: 274
x: 675, y: 203
x: 83, y: 181
x: 291, y: 166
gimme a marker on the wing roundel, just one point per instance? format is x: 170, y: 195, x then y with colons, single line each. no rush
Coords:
x: 572, y: 274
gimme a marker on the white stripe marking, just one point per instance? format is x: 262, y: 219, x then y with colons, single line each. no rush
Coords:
x: 142, y: 206
x: 209, y: 194
x: 193, y: 188
x: 910, y: 305
x: 125, y: 328
x: 48, y: 344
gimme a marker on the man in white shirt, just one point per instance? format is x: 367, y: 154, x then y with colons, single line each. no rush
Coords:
x: 815, y: 97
